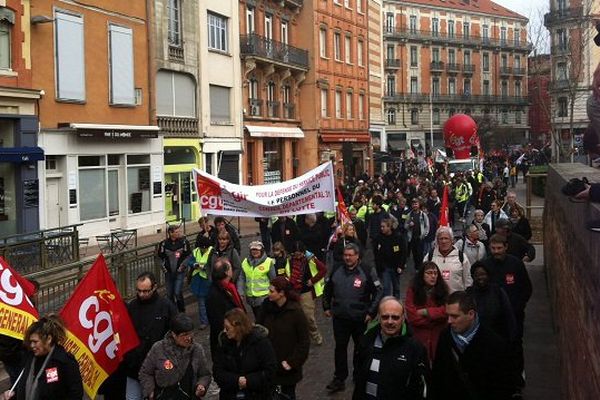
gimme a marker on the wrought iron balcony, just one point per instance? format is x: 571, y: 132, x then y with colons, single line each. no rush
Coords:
x: 254, y: 45
x: 392, y: 63
x: 273, y: 109
x: 560, y: 49
x: 468, y: 68
x: 178, y: 126
x: 255, y: 106
x: 562, y: 14
x: 463, y: 98
x: 437, y: 66
x: 560, y: 84
x: 452, y: 68
x: 289, y: 110
x: 519, y: 71
x: 505, y: 70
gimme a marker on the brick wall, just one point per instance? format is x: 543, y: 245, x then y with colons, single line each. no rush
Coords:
x: 572, y: 256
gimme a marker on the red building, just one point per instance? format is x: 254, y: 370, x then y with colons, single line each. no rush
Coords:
x: 539, y: 98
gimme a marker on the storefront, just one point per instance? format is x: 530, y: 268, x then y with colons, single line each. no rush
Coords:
x: 181, y: 199
x: 271, y: 154
x: 350, y: 153
x: 105, y: 177
x: 222, y: 157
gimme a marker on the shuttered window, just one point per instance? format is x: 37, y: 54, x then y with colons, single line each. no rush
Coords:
x: 219, y: 105
x: 175, y: 94
x: 229, y: 170
x: 70, y: 66
x: 122, y: 90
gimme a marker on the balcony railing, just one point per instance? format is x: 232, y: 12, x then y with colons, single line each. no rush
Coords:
x: 255, y: 106
x: 437, y: 66
x: 505, y: 70
x: 178, y: 126
x: 273, y: 109
x: 559, y: 84
x: 452, y: 67
x: 176, y: 53
x: 254, y: 45
x: 560, y: 49
x: 455, y: 98
x: 563, y: 14
x: 468, y: 68
x: 456, y: 39
x: 518, y: 71
x: 392, y: 63
x: 295, y: 3
x: 289, y: 111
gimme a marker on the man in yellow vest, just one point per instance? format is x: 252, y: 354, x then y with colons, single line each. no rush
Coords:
x: 200, y: 276
x: 256, y: 275
x: 306, y: 273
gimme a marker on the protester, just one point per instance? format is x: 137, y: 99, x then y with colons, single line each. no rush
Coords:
x: 206, y: 230
x: 390, y: 258
x: 50, y: 372
x: 520, y: 224
x: 225, y: 249
x: 174, y: 252
x: 176, y: 367
x: 283, y: 317
x: 471, y: 246
x: 313, y: 236
x: 391, y: 364
x: 245, y: 362
x: 223, y: 226
x: 496, y: 214
x: 426, y: 306
x: 257, y: 272
x: 151, y: 316
x: 417, y: 228
x: 453, y: 264
x: 201, y: 271
x: 281, y: 258
x: 346, y: 235
x: 286, y: 231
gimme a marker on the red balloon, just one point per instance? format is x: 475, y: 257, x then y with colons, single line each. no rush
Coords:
x: 460, y: 133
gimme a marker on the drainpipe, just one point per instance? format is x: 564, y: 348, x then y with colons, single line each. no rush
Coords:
x: 151, y: 61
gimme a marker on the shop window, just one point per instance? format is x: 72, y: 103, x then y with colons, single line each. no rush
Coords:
x: 179, y: 155
x: 92, y: 193
x: 138, y: 189
x: 8, y: 205
x: 272, y: 160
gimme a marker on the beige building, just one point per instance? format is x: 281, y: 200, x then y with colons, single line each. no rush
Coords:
x: 376, y: 81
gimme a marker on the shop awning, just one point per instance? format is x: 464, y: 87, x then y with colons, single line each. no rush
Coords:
x: 275, y: 131
x: 346, y: 137
x: 21, y: 154
x: 214, y: 145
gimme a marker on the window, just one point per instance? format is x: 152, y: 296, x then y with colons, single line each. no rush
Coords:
x: 435, y: 55
x: 347, y: 3
x: 435, y: 27
x: 485, y: 33
x: 323, y: 42
x: 517, y: 61
x: 250, y: 28
x: 436, y: 116
x: 414, y: 116
x: 505, y: 117
x: 284, y: 32
x: 391, y: 116
x: 122, y: 90
x: 467, y: 57
x: 486, y: 62
x: 451, y: 112
x: 360, y: 48
x: 220, y: 112
x: 504, y: 60
x: 518, y: 116
x: 268, y: 26
x: 518, y: 89
x: 486, y: 87
x: 253, y: 90
x: 349, y: 105
x: 138, y: 183
x: 466, y: 30
x: 435, y: 86
x: 175, y: 94
x: 451, y: 56
x: 563, y: 107
x: 413, y: 56
x: 361, y: 106
x: 504, y: 89
x: 561, y: 38
x: 413, y: 24
x: 70, y: 67
x: 414, y: 85
x: 391, y: 85
x: 92, y: 187
x: 174, y: 24
x: 561, y: 71
x: 4, y: 45
x: 324, y: 107
x: 517, y: 36
x: 390, y: 22
x: 338, y: 104
x: 503, y: 36
x: 337, y: 50
x: 467, y: 87
x: 359, y: 6
x: 450, y: 28
x: 217, y: 32
x: 452, y: 86
x: 347, y: 49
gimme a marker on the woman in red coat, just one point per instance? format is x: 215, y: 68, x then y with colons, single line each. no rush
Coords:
x: 426, y: 306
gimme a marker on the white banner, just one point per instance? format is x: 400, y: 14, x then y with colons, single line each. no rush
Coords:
x: 309, y: 193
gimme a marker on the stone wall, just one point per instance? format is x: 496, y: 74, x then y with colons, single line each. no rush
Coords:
x: 572, y: 257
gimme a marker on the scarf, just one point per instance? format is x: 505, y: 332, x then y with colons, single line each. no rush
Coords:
x: 230, y: 288
x: 31, y: 385
x: 462, y: 340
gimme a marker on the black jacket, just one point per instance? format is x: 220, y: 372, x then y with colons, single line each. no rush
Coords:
x: 151, y: 320
x: 494, y: 309
x: 173, y: 253
x: 285, y: 232
x: 511, y: 275
x: 314, y: 238
x: 390, y: 251
x: 402, y: 367
x: 519, y: 247
x: 484, y: 371
x: 60, y: 380
x: 254, y: 358
x: 218, y: 302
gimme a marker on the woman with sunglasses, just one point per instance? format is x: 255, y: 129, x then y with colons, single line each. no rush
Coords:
x: 426, y: 306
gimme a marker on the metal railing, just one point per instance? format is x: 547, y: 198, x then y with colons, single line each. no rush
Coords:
x: 437, y: 66
x: 455, y: 98
x: 255, y: 105
x: 468, y: 68
x: 453, y: 67
x: 505, y: 70
x: 392, y: 63
x: 562, y: 14
x: 273, y: 109
x: 260, y: 46
x: 178, y: 126
x: 518, y: 71
x: 289, y: 111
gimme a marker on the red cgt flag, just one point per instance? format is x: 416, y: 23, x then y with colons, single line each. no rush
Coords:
x: 17, y: 311
x: 342, y: 211
x: 99, y: 330
x: 444, y: 208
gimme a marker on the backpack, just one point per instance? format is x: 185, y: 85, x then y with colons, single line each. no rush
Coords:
x: 461, y: 255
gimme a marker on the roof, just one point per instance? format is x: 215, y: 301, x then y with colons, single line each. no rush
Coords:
x: 474, y: 6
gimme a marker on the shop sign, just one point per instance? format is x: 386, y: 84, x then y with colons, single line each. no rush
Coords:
x: 117, y: 133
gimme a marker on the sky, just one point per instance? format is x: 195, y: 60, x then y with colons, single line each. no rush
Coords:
x: 534, y: 10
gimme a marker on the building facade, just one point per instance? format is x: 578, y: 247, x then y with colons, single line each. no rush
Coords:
x: 104, y: 154
x: 335, y: 98
x: 376, y: 83
x: 574, y: 58
x: 539, y: 99
x: 443, y: 58
x: 20, y: 158
x: 273, y: 74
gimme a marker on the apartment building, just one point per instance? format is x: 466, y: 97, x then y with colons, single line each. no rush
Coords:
x: 20, y: 158
x: 574, y: 58
x: 446, y: 57
x: 335, y: 97
x: 538, y: 83
x: 376, y: 83
x: 273, y: 72
x: 104, y: 155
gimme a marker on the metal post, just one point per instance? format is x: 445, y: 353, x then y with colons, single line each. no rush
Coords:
x: 528, y: 197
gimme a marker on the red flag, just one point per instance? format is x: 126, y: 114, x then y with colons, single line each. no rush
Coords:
x: 444, y: 208
x: 99, y: 330
x: 342, y: 211
x: 17, y: 311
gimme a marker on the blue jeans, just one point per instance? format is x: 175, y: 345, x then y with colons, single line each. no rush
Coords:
x: 391, y: 283
x: 174, y: 286
x: 202, y: 310
x: 133, y: 390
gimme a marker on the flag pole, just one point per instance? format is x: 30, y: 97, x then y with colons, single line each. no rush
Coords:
x: 11, y: 390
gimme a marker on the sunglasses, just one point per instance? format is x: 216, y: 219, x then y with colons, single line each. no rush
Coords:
x: 385, y: 317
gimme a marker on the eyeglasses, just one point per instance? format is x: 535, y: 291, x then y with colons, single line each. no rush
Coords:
x: 144, y: 291
x: 385, y: 317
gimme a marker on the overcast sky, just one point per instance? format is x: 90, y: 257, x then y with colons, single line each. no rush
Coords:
x: 534, y: 10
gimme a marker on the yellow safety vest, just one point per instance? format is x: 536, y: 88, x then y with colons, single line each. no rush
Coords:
x: 313, y: 272
x: 462, y: 193
x: 361, y: 212
x: 202, y: 260
x: 257, y: 278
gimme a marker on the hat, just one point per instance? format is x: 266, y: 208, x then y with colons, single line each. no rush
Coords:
x: 361, y: 181
x: 257, y: 244
x: 503, y: 223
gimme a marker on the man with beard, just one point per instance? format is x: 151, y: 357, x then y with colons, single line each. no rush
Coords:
x: 151, y: 315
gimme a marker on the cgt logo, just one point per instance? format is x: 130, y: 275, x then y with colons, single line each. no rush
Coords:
x: 209, y: 193
x: 211, y: 202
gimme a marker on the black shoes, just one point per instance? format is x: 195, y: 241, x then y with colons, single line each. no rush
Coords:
x: 336, y: 385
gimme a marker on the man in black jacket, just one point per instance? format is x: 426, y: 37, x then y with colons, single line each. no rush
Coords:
x: 285, y: 231
x: 351, y: 295
x: 471, y: 361
x: 392, y: 364
x: 390, y: 257
x: 151, y: 316
x: 174, y: 253
x: 518, y: 246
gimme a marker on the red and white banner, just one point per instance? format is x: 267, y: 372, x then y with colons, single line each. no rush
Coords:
x: 17, y: 311
x: 343, y: 215
x: 99, y: 330
x: 444, y: 220
x: 309, y: 193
